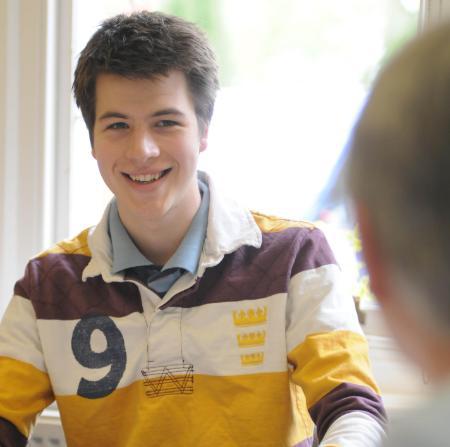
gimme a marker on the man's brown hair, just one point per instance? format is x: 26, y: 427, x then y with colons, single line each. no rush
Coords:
x: 144, y: 45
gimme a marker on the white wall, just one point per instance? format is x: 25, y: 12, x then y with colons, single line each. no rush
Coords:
x: 29, y: 113
x: 2, y: 136
x: 22, y: 135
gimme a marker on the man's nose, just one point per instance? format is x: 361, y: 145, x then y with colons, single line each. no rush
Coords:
x: 142, y: 146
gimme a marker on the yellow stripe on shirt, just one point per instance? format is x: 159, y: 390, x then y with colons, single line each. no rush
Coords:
x: 326, y: 360
x: 77, y: 246
x: 273, y: 224
x: 27, y: 392
x: 220, y: 412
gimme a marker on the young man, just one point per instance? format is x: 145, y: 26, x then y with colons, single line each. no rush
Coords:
x: 398, y: 175
x: 181, y: 319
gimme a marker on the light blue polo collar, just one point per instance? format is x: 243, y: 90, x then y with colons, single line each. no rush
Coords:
x: 126, y: 255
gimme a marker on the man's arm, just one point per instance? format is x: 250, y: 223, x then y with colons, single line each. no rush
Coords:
x: 25, y: 388
x: 329, y: 353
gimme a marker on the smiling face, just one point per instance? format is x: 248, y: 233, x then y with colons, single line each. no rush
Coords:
x: 146, y: 143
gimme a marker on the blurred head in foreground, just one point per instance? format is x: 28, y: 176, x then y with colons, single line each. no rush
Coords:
x: 398, y: 175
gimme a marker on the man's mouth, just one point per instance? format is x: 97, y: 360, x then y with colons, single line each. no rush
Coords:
x: 148, y: 178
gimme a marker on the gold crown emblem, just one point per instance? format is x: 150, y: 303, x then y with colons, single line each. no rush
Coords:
x: 251, y: 339
x: 250, y: 317
x: 252, y: 359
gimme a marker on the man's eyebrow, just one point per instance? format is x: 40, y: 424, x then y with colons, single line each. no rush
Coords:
x: 107, y: 115
x: 162, y: 112
x: 169, y: 111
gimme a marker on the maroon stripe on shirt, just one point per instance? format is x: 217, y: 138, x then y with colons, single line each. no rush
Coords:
x: 54, y: 286
x: 53, y: 282
x: 315, y: 252
x: 10, y: 436
x: 252, y: 273
x: 343, y: 399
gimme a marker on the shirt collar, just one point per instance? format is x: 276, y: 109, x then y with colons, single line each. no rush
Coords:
x: 126, y: 255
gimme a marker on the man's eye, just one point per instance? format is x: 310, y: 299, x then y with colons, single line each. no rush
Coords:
x: 166, y: 123
x: 119, y: 125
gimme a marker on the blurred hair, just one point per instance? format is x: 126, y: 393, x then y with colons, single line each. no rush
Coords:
x: 399, y: 167
x: 144, y: 45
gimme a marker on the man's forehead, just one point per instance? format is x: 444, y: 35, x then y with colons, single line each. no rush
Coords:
x: 121, y: 97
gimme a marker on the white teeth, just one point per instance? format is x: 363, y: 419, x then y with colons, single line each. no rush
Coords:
x: 146, y: 178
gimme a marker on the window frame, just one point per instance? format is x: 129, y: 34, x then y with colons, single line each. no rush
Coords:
x: 34, y: 131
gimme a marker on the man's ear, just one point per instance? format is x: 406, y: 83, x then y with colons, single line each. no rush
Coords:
x: 375, y: 261
x: 204, y: 139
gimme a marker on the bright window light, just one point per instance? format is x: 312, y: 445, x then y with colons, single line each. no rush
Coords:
x: 294, y: 76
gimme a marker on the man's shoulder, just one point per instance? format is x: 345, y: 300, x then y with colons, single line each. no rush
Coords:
x: 75, y: 246
x: 301, y: 239
x: 67, y: 256
x: 273, y: 224
x: 57, y: 268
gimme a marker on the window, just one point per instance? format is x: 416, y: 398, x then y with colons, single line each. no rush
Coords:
x: 294, y: 75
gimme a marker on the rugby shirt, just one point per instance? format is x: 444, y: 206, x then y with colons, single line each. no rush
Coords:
x: 252, y: 350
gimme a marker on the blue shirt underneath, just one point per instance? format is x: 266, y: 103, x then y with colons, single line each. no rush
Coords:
x: 128, y: 259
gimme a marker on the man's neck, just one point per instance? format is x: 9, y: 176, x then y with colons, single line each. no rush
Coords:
x: 158, y: 239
